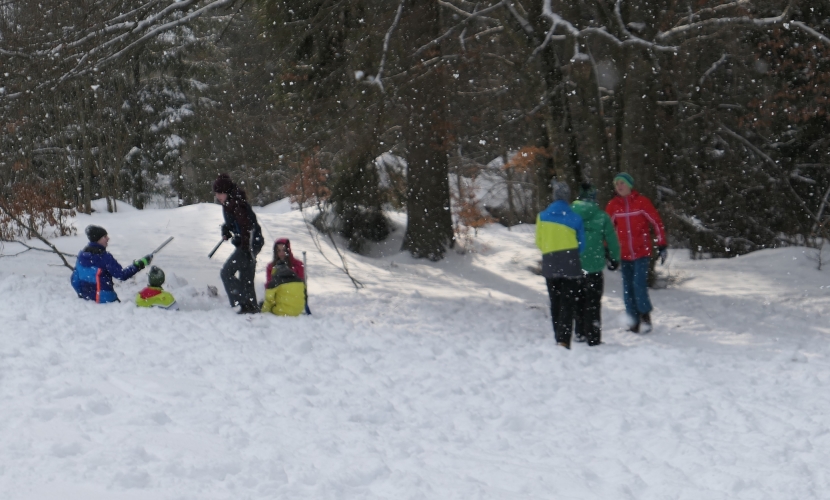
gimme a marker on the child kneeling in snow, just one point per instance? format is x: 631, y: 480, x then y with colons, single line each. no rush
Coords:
x: 154, y: 295
x: 285, y: 292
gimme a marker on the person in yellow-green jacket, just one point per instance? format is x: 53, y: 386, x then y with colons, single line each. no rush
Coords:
x: 284, y: 292
x: 154, y: 295
x: 560, y: 235
x: 601, y: 248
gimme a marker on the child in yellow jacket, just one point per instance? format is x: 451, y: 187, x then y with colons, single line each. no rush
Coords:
x: 285, y: 292
x: 154, y: 295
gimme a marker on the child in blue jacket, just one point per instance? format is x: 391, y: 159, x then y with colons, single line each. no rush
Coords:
x: 95, y: 268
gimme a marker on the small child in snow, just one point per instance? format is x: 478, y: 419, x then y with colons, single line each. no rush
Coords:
x: 285, y: 293
x: 154, y: 295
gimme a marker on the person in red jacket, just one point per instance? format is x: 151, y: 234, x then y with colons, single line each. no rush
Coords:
x: 282, y: 253
x: 634, y: 216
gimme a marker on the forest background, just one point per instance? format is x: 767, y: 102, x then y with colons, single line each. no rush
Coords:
x: 459, y: 113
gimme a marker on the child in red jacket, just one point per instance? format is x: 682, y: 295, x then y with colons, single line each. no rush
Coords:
x: 282, y: 253
x: 634, y: 216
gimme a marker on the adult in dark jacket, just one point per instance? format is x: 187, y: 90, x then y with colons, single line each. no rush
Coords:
x: 633, y: 215
x: 601, y: 245
x: 242, y: 229
x: 560, y: 235
x: 95, y: 268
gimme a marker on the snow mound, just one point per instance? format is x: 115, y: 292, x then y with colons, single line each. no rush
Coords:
x: 100, y: 205
x: 436, y: 380
x: 282, y: 206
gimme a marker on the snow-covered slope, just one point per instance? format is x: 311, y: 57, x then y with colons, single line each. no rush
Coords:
x: 435, y: 381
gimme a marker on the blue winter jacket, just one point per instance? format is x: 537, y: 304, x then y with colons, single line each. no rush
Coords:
x: 560, y: 235
x: 94, y: 271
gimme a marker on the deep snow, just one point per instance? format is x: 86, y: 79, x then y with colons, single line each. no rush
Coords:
x: 436, y: 381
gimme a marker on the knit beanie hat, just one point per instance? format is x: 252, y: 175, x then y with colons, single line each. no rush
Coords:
x: 622, y: 176
x: 223, y: 184
x: 561, y: 191
x: 587, y: 192
x: 95, y: 233
x: 155, y: 277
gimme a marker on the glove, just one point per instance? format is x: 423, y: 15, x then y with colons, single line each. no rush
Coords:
x: 663, y: 253
x: 226, y: 232
x: 610, y: 262
x: 143, y: 262
x: 236, y: 241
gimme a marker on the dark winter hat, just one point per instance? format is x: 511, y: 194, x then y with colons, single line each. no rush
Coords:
x: 626, y: 178
x: 155, y: 277
x: 95, y: 233
x: 561, y: 191
x: 587, y: 192
x: 223, y: 184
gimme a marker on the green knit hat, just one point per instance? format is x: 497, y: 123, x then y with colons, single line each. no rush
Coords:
x: 626, y: 178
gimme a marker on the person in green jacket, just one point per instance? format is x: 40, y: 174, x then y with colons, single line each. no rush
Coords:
x: 601, y: 246
x: 154, y: 295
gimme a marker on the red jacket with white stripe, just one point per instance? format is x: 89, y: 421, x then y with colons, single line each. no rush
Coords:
x: 632, y: 215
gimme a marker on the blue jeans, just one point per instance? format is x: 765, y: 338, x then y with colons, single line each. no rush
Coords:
x: 635, y: 287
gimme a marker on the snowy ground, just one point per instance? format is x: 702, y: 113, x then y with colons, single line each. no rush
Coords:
x: 436, y: 381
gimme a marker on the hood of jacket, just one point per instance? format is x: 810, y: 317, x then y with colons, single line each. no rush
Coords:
x: 287, y: 243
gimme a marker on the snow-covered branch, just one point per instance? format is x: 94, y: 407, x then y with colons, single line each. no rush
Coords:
x: 712, y: 10
x: 378, y: 80
x: 694, y: 28
x: 524, y: 23
x: 713, y: 68
x: 465, y: 22
x: 629, y: 40
x: 466, y: 14
x: 800, y: 25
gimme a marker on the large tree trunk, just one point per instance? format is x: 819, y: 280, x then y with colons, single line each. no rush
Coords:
x: 587, y: 121
x: 639, y: 145
x: 429, y: 221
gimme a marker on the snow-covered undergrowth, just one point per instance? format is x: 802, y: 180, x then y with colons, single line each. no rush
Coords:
x: 436, y: 381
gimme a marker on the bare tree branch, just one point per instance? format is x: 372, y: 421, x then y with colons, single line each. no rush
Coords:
x: 690, y: 28
x: 30, y: 247
x: 711, y: 10
x: 714, y: 68
x: 811, y: 31
x: 776, y: 167
x: 465, y: 22
x: 631, y: 39
x: 378, y: 80
x: 464, y: 13
x: 38, y: 236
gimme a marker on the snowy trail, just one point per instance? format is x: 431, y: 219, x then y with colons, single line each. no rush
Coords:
x: 439, y: 380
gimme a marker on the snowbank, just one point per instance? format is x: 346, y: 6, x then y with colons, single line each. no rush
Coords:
x: 437, y: 380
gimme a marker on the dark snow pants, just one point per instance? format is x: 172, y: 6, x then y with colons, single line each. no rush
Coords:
x: 564, y: 303
x: 240, y: 289
x: 589, y: 314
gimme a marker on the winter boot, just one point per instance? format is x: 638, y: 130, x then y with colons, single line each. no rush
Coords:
x: 634, y: 326
x: 565, y: 345
x: 248, y: 309
x: 645, y: 321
